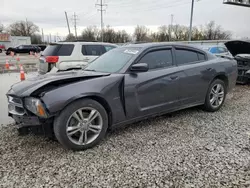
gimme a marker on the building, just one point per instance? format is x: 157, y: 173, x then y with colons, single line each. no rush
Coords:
x: 13, y: 41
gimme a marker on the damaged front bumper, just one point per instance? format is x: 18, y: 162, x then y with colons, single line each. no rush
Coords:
x: 27, y: 122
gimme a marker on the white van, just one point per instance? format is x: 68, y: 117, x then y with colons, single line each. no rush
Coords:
x: 71, y: 55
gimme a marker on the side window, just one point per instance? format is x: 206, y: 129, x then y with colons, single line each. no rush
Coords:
x: 66, y: 50
x: 201, y: 56
x: 186, y: 56
x: 93, y: 50
x: 107, y: 48
x: 158, y: 59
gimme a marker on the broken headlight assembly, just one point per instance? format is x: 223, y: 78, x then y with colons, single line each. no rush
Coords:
x: 35, y: 106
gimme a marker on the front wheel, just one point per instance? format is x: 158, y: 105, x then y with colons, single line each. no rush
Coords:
x: 81, y: 125
x: 216, y: 95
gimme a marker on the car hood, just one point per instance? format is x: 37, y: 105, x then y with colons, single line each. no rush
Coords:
x: 30, y: 85
x: 238, y: 47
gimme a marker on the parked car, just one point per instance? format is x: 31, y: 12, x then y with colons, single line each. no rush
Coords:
x: 23, y: 49
x: 2, y: 48
x: 125, y: 85
x: 71, y: 55
x: 241, y: 52
x: 218, y: 50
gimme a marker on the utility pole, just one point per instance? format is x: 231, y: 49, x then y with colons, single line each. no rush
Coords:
x: 171, y: 27
x: 27, y: 27
x: 67, y: 21
x: 42, y: 35
x: 101, y: 5
x: 50, y: 38
x: 191, y: 21
x: 74, y: 20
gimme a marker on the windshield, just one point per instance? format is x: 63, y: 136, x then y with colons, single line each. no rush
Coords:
x: 113, y: 60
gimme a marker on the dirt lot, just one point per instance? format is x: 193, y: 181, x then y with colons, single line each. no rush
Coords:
x: 190, y: 148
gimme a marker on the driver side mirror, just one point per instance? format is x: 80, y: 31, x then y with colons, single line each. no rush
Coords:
x: 140, y: 67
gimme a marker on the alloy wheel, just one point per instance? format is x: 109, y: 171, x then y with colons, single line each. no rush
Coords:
x: 217, y: 95
x: 84, y: 126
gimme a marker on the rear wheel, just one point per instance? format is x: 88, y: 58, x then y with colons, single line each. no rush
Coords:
x: 81, y: 125
x: 1, y: 50
x: 215, y: 96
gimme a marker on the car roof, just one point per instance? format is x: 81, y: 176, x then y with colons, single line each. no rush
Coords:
x: 88, y: 43
x: 159, y: 44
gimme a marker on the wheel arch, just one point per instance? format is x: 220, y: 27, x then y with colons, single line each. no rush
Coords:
x: 223, y: 77
x: 96, y: 98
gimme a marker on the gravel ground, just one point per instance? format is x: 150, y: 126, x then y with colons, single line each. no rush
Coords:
x: 190, y: 148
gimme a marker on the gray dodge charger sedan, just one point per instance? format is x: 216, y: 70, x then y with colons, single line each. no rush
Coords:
x: 124, y: 85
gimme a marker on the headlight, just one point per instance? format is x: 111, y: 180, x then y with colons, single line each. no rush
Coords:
x: 35, y: 106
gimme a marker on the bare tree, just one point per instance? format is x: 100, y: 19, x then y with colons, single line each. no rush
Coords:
x: 141, y: 33
x: 70, y: 37
x: 1, y: 28
x: 215, y: 32
x: 180, y: 32
x: 90, y: 33
x: 22, y: 28
x: 197, y: 33
x: 109, y: 34
x: 122, y: 37
x: 163, y: 33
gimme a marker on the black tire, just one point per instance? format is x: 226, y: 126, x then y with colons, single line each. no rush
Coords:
x: 1, y: 50
x: 207, y: 105
x: 60, y: 124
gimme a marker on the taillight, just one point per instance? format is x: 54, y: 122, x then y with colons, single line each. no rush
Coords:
x: 52, y: 59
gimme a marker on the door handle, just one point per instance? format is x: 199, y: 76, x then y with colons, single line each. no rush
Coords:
x: 173, y: 77
x: 209, y: 69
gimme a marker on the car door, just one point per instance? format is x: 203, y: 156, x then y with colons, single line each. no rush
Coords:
x: 91, y: 52
x: 157, y: 89
x: 198, y: 73
x: 19, y: 49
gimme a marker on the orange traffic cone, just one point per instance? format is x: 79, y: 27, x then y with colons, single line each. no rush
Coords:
x: 7, y: 65
x: 22, y: 75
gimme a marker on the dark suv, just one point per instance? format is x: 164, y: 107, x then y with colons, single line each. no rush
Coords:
x: 23, y: 49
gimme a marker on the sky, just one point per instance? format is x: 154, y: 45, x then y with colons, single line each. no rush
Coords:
x: 125, y: 14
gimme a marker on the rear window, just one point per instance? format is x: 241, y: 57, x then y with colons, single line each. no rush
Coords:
x: 93, y: 50
x: 59, y: 50
x: 184, y: 56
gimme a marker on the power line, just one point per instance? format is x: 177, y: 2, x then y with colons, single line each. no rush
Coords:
x: 101, y: 5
